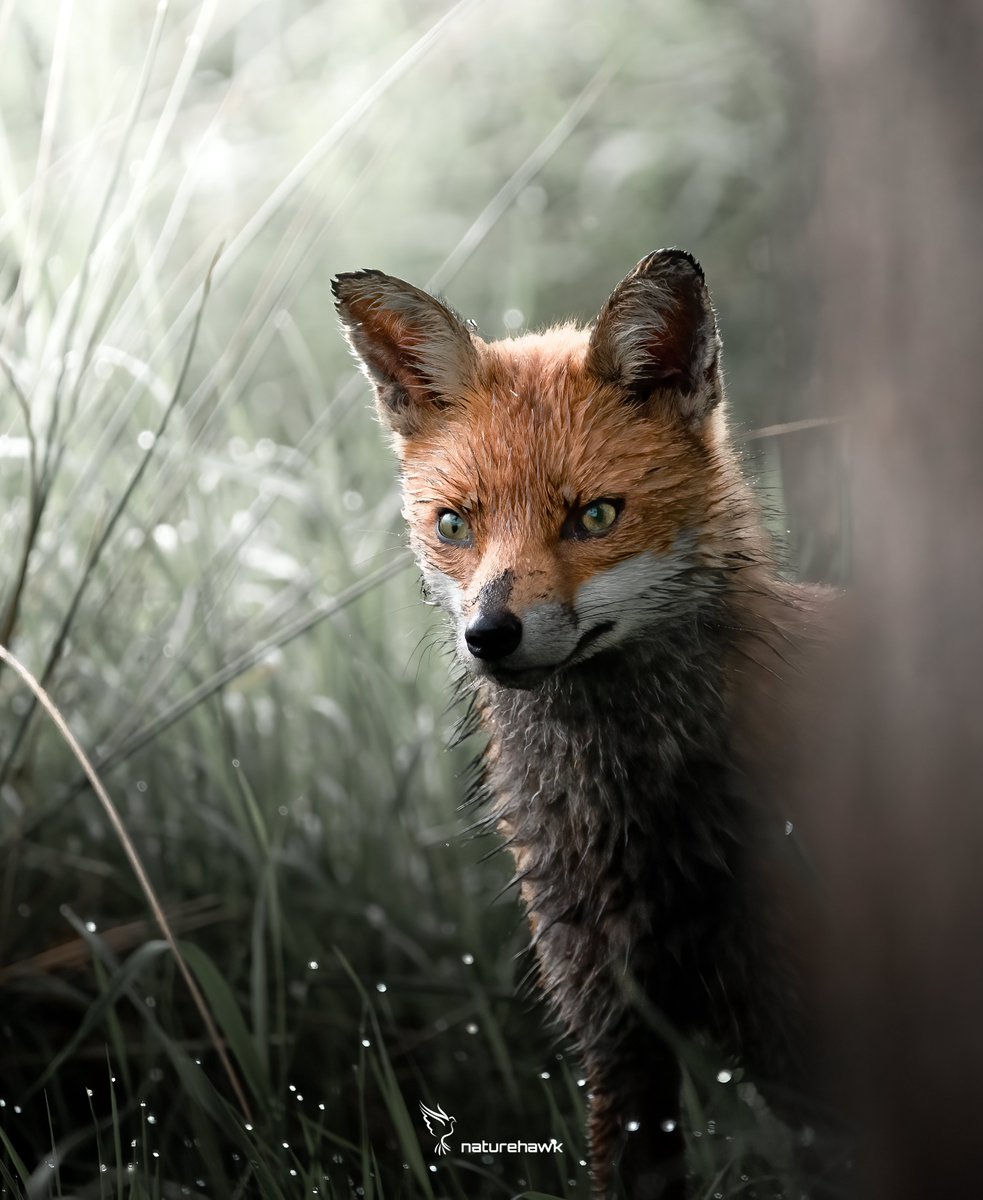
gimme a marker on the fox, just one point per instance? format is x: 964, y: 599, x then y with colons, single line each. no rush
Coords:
x: 579, y: 509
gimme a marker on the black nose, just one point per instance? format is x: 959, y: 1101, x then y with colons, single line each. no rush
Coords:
x: 493, y: 635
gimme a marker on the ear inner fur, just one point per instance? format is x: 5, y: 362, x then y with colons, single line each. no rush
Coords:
x: 657, y: 336
x: 416, y: 353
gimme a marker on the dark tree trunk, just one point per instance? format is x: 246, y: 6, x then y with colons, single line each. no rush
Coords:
x: 895, y: 776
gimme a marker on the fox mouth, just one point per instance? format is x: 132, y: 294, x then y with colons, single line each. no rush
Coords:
x: 528, y: 677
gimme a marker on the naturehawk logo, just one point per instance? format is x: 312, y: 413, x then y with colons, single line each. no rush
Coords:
x: 440, y: 1125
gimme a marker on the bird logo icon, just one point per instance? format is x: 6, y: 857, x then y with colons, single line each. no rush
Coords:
x: 440, y: 1125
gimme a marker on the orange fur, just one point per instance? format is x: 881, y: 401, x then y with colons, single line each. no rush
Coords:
x: 543, y: 437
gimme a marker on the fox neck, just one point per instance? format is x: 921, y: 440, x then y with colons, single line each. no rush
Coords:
x: 627, y: 720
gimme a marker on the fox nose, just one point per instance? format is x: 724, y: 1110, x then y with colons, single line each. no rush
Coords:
x: 493, y: 635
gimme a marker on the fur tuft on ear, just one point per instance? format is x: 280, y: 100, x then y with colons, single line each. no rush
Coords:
x: 414, y: 351
x: 657, y: 333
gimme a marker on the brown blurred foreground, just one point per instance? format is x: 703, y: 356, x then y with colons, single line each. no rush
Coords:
x: 897, y: 773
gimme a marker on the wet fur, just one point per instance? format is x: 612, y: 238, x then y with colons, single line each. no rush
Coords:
x: 626, y: 785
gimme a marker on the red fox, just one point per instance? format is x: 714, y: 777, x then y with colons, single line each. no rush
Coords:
x: 578, y: 509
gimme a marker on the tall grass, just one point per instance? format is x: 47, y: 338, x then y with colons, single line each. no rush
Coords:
x: 205, y: 565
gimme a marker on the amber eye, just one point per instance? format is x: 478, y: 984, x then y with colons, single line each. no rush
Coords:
x: 452, y: 527
x: 598, y: 516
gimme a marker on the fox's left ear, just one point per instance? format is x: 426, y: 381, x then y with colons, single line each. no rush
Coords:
x: 657, y: 334
x: 416, y: 353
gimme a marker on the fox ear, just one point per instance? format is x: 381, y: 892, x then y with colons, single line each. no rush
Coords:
x: 657, y: 333
x: 415, y: 352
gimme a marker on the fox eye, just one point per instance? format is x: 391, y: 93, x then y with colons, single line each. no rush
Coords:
x: 453, y: 528
x: 597, y: 517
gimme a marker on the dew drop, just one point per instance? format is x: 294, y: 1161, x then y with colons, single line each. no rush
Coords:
x: 668, y: 1126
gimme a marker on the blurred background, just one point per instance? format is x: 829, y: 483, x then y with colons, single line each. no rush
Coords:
x: 205, y: 564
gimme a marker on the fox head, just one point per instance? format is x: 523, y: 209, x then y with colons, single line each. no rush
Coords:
x: 566, y: 492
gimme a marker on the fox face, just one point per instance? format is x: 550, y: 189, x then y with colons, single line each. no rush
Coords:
x: 566, y: 492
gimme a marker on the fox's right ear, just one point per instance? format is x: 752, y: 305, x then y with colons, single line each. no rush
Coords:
x: 413, y: 350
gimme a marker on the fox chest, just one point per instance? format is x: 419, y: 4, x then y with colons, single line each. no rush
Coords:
x: 628, y: 834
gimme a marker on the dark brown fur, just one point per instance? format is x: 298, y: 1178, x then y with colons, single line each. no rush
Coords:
x: 620, y: 778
